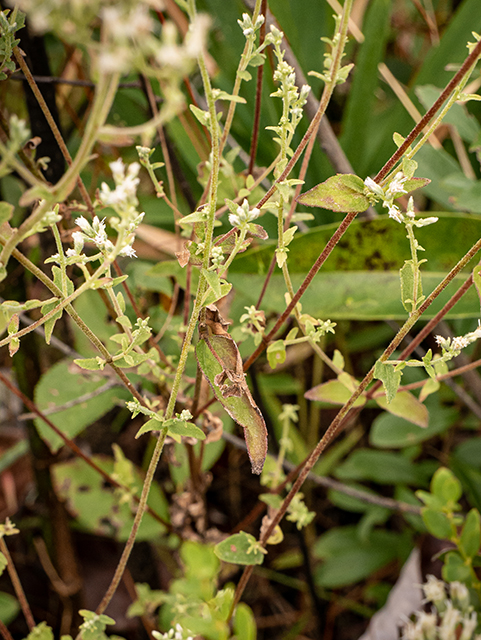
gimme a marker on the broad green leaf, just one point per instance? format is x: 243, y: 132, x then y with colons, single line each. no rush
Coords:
x: 446, y: 486
x: 360, y: 109
x: 391, y: 432
x: 377, y: 245
x: 347, y: 559
x: 183, y: 428
x: 100, y: 508
x: 437, y: 523
x: 9, y: 607
x: 333, y: 392
x: 383, y: 467
x: 241, y: 548
x: 466, y: 124
x: 390, y: 378
x: 455, y: 569
x: 471, y: 534
x: 406, y: 406
x: 64, y: 383
x: 342, y: 193
x: 241, y: 409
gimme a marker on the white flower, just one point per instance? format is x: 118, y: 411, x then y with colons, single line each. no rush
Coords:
x: 82, y: 223
x: 394, y: 212
x: 397, y: 185
x: 434, y: 590
x: 374, y: 187
x: 459, y: 342
x: 451, y: 619
x: 469, y: 625
x: 128, y: 251
x: 243, y: 215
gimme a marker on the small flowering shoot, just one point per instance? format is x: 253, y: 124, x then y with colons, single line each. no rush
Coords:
x: 94, y: 625
x: 10, y: 23
x: 441, y: 517
x: 334, y: 50
x: 313, y: 329
x: 177, y: 427
x: 175, y: 633
x: 451, y: 615
x: 390, y: 372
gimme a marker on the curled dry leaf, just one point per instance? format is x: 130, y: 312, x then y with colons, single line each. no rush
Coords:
x: 220, y: 362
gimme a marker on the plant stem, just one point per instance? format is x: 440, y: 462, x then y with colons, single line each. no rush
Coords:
x: 17, y: 585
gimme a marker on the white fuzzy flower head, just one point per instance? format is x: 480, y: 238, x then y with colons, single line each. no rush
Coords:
x: 451, y: 619
x: 459, y: 342
x: 470, y: 622
x: 397, y: 185
x: 83, y: 223
x: 243, y: 215
x: 434, y: 590
x: 394, y: 212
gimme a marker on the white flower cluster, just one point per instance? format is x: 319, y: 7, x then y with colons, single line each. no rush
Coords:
x: 248, y: 27
x: 393, y: 191
x: 123, y: 200
x: 243, y: 215
x: 176, y: 633
x: 451, y: 618
x: 454, y: 346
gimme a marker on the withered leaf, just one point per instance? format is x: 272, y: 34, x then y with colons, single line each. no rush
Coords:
x: 220, y: 362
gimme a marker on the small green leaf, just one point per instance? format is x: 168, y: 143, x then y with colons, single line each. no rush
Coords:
x: 477, y: 279
x: 213, y: 281
x: 241, y: 548
x: 412, y: 184
x: 429, y: 387
x: 455, y: 569
x: 342, y: 192
x: 183, y: 428
x: 6, y: 211
x: 276, y: 353
x: 437, y: 523
x: 151, y: 425
x: 406, y: 406
x: 3, y: 563
x: 390, y: 378
x: 91, y: 364
x: 446, y: 486
x: 409, y: 299
x: 202, y: 116
x: 211, y: 296
x: 281, y: 257
x: 271, y: 499
x: 333, y: 392
x: 471, y: 534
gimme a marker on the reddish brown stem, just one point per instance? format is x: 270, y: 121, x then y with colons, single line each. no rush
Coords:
x: 337, y: 235
x: 430, y: 113
x: 257, y: 108
x: 17, y: 585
